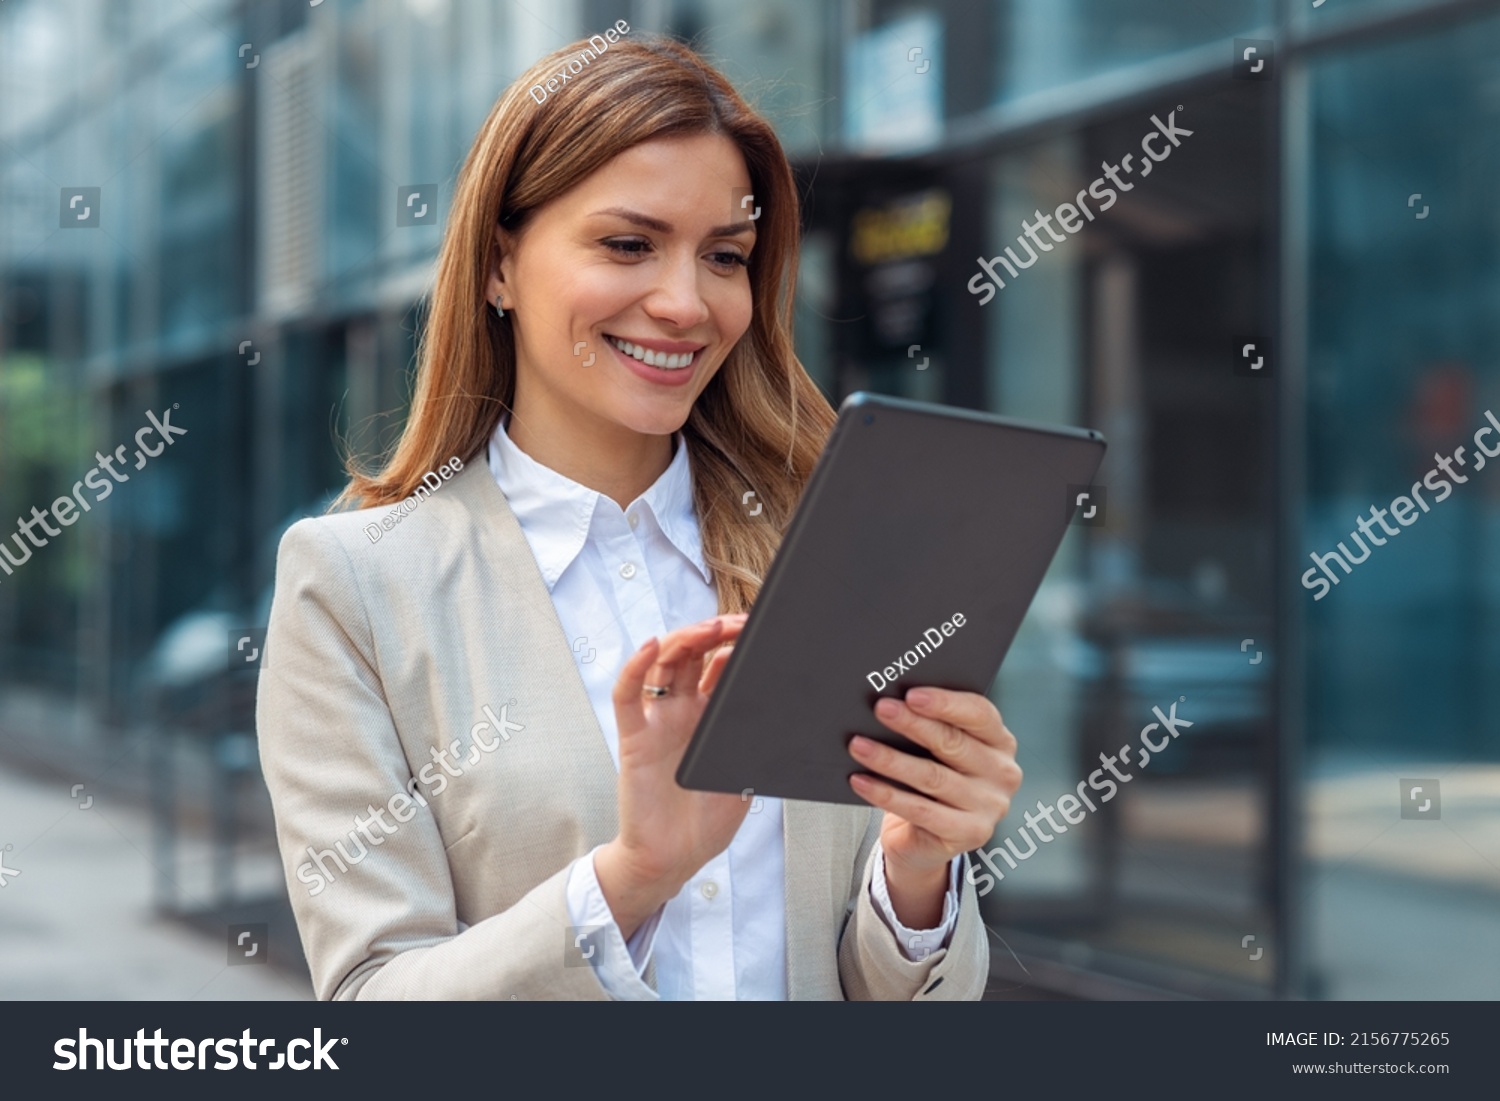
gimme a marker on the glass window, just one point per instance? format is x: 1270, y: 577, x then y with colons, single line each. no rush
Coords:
x: 1325, y: 17
x: 773, y: 52
x: 359, y: 193
x: 196, y: 175
x: 1403, y: 369
x: 1157, y: 611
x: 1047, y: 43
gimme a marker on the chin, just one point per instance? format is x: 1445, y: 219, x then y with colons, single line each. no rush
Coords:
x: 655, y: 422
x: 654, y: 414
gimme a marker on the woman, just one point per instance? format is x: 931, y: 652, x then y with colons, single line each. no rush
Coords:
x: 468, y: 724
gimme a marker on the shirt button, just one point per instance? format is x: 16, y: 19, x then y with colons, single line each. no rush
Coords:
x: 635, y: 518
x: 627, y: 571
x: 709, y: 889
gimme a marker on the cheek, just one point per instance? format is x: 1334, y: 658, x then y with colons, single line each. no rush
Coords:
x: 595, y: 296
x: 733, y: 310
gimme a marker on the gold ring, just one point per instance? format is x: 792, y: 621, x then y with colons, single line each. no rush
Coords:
x: 655, y: 691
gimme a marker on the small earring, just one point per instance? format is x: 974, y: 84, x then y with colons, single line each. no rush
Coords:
x: 499, y: 308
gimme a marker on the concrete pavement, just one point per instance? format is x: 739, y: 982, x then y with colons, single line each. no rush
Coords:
x: 77, y: 920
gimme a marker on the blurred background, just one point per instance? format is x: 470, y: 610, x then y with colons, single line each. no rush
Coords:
x: 229, y: 210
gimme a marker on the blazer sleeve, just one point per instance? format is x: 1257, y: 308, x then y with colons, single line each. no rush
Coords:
x: 388, y: 928
x: 872, y: 966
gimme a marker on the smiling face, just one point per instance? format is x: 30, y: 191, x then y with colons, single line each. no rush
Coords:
x: 642, y: 265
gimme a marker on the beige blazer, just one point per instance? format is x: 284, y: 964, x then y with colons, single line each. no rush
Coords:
x: 382, y: 653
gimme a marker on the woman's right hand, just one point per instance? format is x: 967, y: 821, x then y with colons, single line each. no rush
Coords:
x: 667, y: 833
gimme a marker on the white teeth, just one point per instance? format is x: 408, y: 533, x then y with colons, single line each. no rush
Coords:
x: 653, y: 359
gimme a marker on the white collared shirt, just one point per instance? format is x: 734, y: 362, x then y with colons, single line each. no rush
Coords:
x: 618, y: 577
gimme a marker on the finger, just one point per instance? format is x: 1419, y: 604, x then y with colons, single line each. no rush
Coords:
x: 714, y: 671
x: 627, y: 691
x: 931, y: 778
x: 681, y: 659
x: 733, y: 626
x: 732, y: 623
x: 729, y: 626
x: 958, y: 830
x: 966, y: 710
x: 700, y: 636
x: 959, y: 749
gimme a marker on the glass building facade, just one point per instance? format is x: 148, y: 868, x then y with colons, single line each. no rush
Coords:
x: 1283, y: 321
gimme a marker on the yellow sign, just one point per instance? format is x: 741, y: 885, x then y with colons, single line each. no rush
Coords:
x: 914, y: 226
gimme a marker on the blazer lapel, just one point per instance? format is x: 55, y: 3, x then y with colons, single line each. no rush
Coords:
x: 548, y: 657
x: 580, y: 741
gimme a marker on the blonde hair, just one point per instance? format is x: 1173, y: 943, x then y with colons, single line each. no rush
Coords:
x: 758, y: 426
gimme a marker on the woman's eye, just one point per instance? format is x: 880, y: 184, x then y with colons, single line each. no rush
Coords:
x: 635, y: 247
x: 628, y: 247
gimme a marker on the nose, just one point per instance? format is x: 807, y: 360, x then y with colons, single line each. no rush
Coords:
x: 676, y: 300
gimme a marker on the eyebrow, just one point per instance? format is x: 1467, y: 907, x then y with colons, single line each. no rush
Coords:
x: 635, y: 217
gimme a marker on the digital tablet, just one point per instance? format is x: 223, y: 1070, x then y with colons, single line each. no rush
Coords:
x: 919, y: 543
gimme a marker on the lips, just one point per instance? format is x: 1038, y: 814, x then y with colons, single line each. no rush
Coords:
x: 663, y: 361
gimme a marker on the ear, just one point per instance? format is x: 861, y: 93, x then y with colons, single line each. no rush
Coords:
x: 502, y: 265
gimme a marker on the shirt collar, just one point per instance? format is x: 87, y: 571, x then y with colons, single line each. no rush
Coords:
x: 555, y: 512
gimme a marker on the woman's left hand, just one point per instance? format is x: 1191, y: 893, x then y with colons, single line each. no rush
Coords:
x: 956, y: 798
